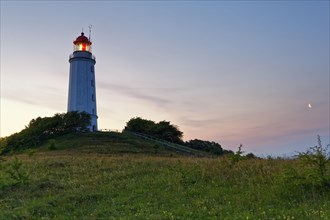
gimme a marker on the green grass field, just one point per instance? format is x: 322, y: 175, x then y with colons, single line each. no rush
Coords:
x: 112, y: 176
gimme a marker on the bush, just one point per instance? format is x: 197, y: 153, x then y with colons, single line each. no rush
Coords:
x: 237, y: 156
x: 52, y: 144
x: 316, y: 160
x: 310, y: 170
x: 163, y: 130
x: 2, y: 181
x: 40, y: 130
x: 17, y: 173
x: 207, y: 146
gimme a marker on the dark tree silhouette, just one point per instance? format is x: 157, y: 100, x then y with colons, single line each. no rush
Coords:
x: 41, y: 129
x: 163, y: 129
x: 207, y: 146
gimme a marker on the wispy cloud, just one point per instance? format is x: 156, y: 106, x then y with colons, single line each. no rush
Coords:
x: 48, y: 97
x: 137, y: 93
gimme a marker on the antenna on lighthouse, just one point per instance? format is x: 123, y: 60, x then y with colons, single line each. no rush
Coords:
x: 90, y: 32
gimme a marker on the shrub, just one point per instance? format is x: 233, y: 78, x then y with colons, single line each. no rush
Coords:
x: 310, y: 170
x: 163, y: 130
x: 316, y: 160
x: 17, y: 172
x: 40, y: 130
x: 2, y: 181
x: 52, y: 144
x: 237, y: 156
x: 207, y: 146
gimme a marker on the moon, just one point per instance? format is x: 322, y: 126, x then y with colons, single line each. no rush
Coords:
x: 309, y: 105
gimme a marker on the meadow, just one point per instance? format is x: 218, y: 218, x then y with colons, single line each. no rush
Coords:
x: 114, y: 177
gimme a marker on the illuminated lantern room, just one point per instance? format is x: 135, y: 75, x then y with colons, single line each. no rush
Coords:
x: 82, y: 43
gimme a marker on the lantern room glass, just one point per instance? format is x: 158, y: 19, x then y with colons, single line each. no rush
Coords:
x: 82, y: 47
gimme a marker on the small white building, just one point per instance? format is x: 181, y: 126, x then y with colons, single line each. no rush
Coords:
x: 82, y: 92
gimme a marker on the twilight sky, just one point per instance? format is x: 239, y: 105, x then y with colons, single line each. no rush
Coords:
x: 231, y: 72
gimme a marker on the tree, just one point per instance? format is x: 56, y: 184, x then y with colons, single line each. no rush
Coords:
x: 140, y: 125
x: 163, y: 129
x: 41, y: 129
x: 251, y: 156
x: 315, y: 161
x: 168, y: 132
x: 207, y: 146
x: 76, y: 122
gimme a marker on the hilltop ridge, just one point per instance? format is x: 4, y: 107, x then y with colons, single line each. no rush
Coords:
x: 115, y: 143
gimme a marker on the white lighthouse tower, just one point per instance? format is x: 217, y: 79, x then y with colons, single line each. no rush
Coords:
x: 82, y: 96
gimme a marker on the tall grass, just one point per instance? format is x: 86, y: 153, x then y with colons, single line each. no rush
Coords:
x: 76, y: 185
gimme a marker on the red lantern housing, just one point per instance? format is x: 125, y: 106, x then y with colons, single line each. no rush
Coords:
x: 82, y: 43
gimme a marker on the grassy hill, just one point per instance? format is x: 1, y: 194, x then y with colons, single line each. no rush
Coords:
x: 118, y: 176
x: 114, y: 143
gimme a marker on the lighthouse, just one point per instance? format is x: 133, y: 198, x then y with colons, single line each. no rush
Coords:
x: 82, y: 92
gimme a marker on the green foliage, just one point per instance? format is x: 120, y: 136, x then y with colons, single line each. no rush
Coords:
x: 103, y: 143
x: 163, y: 129
x: 250, y: 156
x: 67, y: 185
x: 316, y: 161
x: 140, y: 125
x: 156, y: 147
x: 52, y: 144
x: 17, y: 172
x: 41, y: 129
x: 75, y: 122
x: 237, y: 156
x: 13, y: 173
x: 112, y: 175
x: 310, y: 171
x: 2, y: 178
x: 207, y: 146
x: 3, y: 143
x: 30, y: 152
